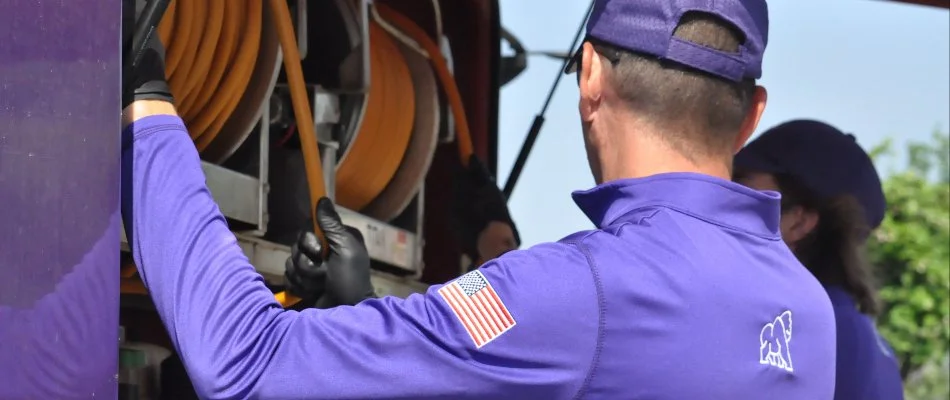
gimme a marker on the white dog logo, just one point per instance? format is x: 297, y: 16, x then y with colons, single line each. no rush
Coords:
x: 774, y: 340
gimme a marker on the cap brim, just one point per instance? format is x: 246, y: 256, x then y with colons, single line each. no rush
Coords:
x: 750, y: 160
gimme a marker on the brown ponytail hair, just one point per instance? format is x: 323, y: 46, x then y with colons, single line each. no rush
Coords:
x: 835, y: 250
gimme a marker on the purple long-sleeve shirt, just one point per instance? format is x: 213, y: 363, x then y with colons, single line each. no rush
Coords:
x: 684, y: 290
x: 867, y: 368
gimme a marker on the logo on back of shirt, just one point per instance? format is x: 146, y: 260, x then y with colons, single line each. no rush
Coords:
x: 773, y: 342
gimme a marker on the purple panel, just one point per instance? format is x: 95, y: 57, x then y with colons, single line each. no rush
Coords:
x: 59, y: 198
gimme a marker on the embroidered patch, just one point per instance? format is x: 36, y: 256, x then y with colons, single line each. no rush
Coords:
x: 478, y: 307
x: 773, y: 342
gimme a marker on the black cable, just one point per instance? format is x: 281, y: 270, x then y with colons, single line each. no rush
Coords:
x: 539, y: 119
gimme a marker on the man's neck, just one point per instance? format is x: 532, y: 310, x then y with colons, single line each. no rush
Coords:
x: 648, y: 157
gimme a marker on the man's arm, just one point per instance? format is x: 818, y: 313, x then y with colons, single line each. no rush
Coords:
x: 237, y: 342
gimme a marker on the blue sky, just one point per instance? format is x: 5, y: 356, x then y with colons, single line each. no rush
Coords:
x: 872, y: 68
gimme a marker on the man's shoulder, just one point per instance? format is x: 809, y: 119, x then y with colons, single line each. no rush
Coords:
x: 565, y: 254
x: 544, y: 297
x: 549, y: 275
x: 648, y: 228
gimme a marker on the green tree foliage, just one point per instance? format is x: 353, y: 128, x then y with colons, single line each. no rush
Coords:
x: 912, y: 252
x: 930, y: 382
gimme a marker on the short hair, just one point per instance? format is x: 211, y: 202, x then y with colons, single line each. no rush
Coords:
x: 700, y: 113
x: 834, y: 252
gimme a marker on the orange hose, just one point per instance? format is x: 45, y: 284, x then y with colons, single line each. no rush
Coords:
x: 211, y: 51
x: 301, y: 103
x: 304, y: 117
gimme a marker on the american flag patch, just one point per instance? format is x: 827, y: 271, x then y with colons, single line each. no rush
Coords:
x: 477, y: 307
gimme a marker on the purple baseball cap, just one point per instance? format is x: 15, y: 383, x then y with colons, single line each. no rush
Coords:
x: 824, y: 159
x: 647, y: 26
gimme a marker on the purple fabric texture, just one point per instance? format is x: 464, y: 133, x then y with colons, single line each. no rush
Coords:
x: 867, y: 368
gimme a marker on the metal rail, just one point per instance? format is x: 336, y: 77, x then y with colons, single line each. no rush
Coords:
x: 539, y: 119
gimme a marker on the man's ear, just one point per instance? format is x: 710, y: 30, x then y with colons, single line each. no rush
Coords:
x: 798, y: 223
x: 751, y: 121
x: 590, y: 81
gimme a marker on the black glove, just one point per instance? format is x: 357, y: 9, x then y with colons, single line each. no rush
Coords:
x: 477, y: 202
x: 146, y: 80
x: 340, y: 279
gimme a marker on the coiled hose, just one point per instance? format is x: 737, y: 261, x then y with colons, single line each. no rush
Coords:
x: 212, y: 48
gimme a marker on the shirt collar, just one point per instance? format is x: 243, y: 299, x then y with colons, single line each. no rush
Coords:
x: 712, y: 199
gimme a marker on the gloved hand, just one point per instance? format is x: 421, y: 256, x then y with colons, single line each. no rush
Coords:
x: 146, y: 80
x: 340, y: 279
x: 479, y: 205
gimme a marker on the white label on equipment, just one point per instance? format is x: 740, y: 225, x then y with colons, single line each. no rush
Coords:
x: 384, y: 243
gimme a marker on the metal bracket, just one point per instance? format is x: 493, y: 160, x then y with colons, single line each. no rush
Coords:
x: 357, y: 24
x: 326, y: 115
x: 420, y: 237
x: 449, y: 118
x: 302, y: 32
x: 238, y: 197
x: 268, y: 259
x: 263, y: 170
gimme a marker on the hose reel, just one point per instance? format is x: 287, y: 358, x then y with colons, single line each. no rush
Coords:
x: 223, y: 60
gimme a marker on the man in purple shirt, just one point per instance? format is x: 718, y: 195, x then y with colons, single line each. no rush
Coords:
x: 684, y: 290
x: 831, y: 198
